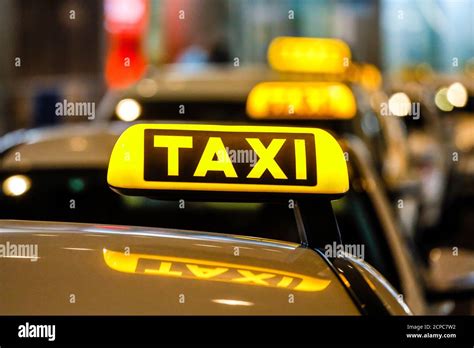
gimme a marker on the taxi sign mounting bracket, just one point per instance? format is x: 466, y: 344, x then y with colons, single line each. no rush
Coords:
x: 300, y: 225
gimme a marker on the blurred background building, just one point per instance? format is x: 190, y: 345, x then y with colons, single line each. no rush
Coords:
x: 53, y: 50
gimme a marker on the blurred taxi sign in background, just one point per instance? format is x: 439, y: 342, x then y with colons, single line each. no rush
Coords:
x: 301, y: 100
x: 309, y: 55
x: 191, y: 157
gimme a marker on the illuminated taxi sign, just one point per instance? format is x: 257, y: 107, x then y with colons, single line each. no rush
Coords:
x: 190, y: 157
x: 178, y: 267
x: 301, y: 100
x: 309, y: 55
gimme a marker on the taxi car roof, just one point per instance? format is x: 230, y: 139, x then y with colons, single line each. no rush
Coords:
x: 204, y: 85
x: 89, y: 260
x: 72, y: 146
x: 92, y: 144
x: 212, y: 82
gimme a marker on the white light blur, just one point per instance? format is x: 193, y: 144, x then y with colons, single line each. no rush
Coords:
x: 441, y: 100
x: 399, y: 104
x: 124, y: 11
x: 128, y: 110
x: 457, y: 95
x: 16, y: 185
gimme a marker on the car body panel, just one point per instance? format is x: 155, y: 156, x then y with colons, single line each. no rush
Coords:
x: 68, y: 146
x: 407, y: 268
x: 393, y: 302
x: 90, y: 269
x: 409, y: 285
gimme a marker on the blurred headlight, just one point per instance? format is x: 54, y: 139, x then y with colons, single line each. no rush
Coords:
x: 16, y: 185
x: 441, y: 100
x: 457, y: 95
x: 399, y: 104
x: 128, y: 110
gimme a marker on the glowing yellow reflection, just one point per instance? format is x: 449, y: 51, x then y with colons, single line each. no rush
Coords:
x: 178, y: 267
x: 457, y: 95
x: 399, y: 104
x: 301, y: 100
x: 16, y: 185
x: 128, y: 110
x: 310, y: 55
x: 441, y: 100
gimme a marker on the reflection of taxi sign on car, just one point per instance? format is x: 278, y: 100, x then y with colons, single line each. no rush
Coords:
x: 301, y: 100
x: 309, y: 55
x: 168, y: 266
x: 189, y: 157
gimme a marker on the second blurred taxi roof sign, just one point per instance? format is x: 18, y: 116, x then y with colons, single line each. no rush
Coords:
x: 309, y: 55
x: 301, y: 100
x: 174, y: 159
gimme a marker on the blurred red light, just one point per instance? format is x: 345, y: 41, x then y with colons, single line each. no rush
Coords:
x: 126, y: 22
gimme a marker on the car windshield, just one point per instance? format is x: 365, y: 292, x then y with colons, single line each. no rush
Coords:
x: 215, y: 110
x: 84, y: 196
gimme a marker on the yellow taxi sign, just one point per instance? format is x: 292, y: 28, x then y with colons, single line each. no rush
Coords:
x: 309, y: 55
x: 301, y: 100
x: 177, y: 158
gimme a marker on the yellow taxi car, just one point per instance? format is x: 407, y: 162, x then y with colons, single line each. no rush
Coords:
x: 218, y: 94
x: 318, y: 79
x: 286, y: 259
